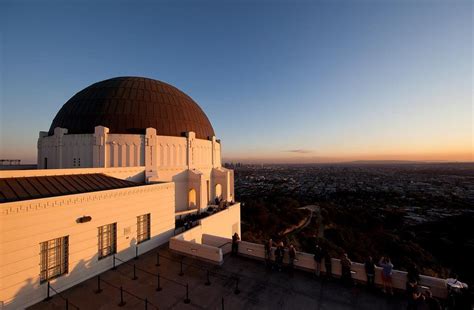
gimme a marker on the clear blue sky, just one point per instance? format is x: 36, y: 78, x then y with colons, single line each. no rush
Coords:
x: 279, y: 80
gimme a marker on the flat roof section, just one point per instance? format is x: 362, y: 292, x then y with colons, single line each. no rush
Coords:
x: 27, y: 188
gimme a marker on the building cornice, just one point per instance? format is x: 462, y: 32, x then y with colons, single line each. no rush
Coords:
x: 18, y: 207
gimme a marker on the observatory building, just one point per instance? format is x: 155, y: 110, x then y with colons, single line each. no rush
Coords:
x: 140, y: 122
x: 122, y: 160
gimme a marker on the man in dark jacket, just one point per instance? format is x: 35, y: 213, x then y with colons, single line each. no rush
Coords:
x: 370, y: 271
x: 235, y: 244
x: 318, y: 257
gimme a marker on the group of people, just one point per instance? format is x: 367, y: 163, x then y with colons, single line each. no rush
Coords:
x: 279, y: 254
x: 419, y: 297
x: 321, y: 255
x: 221, y: 204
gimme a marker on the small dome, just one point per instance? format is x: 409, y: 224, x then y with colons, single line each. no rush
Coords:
x: 129, y: 105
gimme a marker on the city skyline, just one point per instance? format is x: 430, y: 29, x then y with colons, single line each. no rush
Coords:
x: 285, y: 83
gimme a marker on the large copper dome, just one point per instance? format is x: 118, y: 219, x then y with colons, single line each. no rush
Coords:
x: 129, y: 105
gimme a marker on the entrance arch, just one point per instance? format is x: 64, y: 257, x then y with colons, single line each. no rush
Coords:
x: 218, y: 191
x: 192, y: 199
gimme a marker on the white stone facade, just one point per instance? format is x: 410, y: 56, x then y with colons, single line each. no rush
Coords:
x: 176, y: 174
x: 25, y: 224
x: 194, y: 165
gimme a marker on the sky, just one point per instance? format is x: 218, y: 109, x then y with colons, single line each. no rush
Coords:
x: 281, y: 81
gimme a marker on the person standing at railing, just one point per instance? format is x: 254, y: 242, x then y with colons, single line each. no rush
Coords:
x: 457, y: 293
x: 279, y: 252
x: 413, y: 274
x: 415, y: 298
x: 235, y: 244
x: 291, y: 256
x: 387, y: 268
x: 327, y: 264
x: 346, y: 265
x: 318, y: 257
x: 370, y: 271
x: 268, y: 252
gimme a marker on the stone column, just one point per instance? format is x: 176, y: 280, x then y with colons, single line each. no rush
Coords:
x: 189, y: 151
x: 58, y: 143
x: 214, y: 152
x: 151, y: 153
x: 99, y: 149
x: 40, y: 160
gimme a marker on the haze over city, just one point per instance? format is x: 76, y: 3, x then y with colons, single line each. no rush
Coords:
x: 285, y: 82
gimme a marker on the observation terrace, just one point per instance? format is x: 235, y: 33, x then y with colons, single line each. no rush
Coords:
x: 239, y: 283
x: 192, y: 271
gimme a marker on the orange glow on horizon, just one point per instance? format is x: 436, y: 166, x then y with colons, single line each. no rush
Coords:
x: 316, y: 157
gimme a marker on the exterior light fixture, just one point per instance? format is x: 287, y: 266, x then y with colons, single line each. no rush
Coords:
x: 84, y: 219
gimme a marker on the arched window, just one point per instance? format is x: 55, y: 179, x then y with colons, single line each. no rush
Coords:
x: 192, y: 202
x: 218, y: 191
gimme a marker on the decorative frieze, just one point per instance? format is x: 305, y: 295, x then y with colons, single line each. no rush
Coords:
x: 78, y: 199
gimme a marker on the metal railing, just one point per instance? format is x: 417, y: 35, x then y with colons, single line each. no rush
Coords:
x: 157, y: 275
x: 49, y: 297
x: 208, y: 272
x: 122, y: 290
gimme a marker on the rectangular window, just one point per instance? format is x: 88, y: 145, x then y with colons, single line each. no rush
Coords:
x: 143, y: 228
x: 107, y: 240
x: 54, y: 258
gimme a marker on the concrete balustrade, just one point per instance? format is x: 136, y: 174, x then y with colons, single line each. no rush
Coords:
x: 210, y: 240
x: 305, y: 261
x: 206, y: 241
x: 225, y: 244
x: 203, y: 251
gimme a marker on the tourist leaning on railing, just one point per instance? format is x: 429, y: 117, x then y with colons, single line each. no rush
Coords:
x: 387, y: 268
x: 346, y: 264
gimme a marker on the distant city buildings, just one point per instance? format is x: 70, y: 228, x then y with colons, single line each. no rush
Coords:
x: 448, y: 195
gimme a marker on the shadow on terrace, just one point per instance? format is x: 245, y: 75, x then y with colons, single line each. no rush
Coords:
x: 188, y: 283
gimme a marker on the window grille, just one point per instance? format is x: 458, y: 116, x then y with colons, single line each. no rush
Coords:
x: 143, y: 228
x: 107, y: 240
x: 54, y: 258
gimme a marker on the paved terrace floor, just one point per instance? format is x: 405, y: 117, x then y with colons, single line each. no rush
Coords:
x: 259, y: 287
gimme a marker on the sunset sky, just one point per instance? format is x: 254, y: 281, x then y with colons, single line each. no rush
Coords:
x: 281, y: 81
